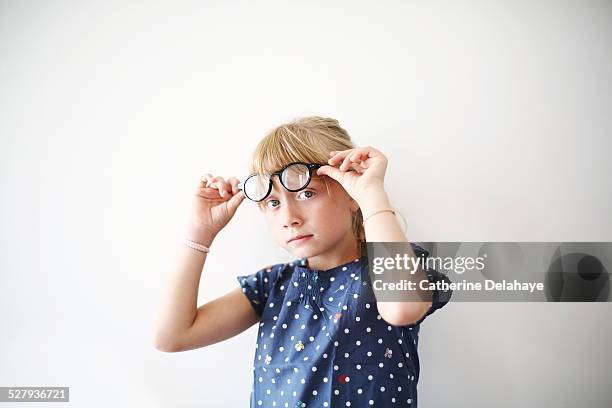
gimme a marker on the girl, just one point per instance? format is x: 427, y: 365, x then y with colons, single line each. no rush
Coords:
x: 322, y: 340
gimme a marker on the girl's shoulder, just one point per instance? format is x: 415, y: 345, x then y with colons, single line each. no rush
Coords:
x: 268, y: 273
x: 258, y: 285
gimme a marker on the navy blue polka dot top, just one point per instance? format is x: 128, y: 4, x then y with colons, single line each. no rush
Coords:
x: 322, y: 342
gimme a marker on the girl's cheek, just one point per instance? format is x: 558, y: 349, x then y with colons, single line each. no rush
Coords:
x: 271, y: 221
x: 321, y: 204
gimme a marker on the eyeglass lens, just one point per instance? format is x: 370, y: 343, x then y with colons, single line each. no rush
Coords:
x: 294, y: 177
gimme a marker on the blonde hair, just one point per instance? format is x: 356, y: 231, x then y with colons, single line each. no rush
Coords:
x: 307, y: 139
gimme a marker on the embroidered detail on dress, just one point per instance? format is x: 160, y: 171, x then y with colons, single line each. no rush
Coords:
x: 388, y: 353
x: 299, y: 346
x: 343, y: 378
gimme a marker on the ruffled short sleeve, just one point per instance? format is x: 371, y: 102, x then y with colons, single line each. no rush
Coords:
x: 258, y: 286
x: 440, y: 297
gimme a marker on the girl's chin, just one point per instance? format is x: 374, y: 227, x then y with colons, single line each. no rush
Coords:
x: 302, y: 252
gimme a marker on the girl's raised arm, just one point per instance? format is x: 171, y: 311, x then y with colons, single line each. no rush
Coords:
x: 181, y: 324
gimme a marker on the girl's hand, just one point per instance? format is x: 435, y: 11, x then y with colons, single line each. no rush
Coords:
x: 369, y: 165
x: 215, y: 203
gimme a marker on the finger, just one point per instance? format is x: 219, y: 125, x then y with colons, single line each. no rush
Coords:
x: 234, y: 183
x: 330, y: 171
x: 227, y: 189
x: 235, y: 201
x: 362, y: 156
x: 346, y: 163
x: 212, y: 180
x: 358, y: 156
x: 219, y: 184
x: 358, y: 162
x: 369, y: 152
x: 362, y: 152
x: 358, y: 167
x: 204, y: 179
x: 217, y: 180
x: 210, y: 193
x: 331, y: 153
x: 339, y: 157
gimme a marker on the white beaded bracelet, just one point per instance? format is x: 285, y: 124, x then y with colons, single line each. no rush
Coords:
x: 196, y: 246
x: 379, y: 211
x: 392, y: 210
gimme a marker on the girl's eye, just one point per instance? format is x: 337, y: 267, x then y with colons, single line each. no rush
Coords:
x: 268, y: 203
x: 307, y: 193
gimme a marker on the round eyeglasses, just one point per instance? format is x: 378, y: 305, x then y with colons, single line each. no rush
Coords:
x: 294, y: 177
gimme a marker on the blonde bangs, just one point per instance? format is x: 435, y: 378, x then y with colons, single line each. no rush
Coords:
x: 294, y: 142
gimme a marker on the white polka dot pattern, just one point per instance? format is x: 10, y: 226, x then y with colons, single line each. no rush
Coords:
x: 326, y: 343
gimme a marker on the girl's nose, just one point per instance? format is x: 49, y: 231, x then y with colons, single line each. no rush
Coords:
x: 291, y: 215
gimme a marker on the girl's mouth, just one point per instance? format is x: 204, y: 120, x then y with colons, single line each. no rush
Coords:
x: 300, y: 238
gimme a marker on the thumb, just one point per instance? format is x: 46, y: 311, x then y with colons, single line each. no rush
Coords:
x: 330, y: 171
x: 234, y: 202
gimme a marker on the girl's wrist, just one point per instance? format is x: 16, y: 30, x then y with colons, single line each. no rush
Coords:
x: 376, y: 199
x: 201, y: 236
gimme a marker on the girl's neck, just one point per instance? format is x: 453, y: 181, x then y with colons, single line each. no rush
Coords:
x: 345, y: 251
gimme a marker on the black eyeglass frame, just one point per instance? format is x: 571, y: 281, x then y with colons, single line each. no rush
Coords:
x: 310, y: 166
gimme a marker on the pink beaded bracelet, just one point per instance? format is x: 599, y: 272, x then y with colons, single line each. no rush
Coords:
x: 196, y: 246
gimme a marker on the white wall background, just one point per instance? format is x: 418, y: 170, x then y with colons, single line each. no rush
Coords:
x: 495, y: 117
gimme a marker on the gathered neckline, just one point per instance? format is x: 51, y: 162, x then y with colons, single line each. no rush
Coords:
x: 302, y: 265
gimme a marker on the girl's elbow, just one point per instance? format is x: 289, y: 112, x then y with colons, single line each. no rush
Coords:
x: 408, y: 314
x: 400, y: 319
x: 166, y: 343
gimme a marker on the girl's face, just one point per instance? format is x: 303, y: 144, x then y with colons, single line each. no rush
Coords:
x: 324, y: 219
